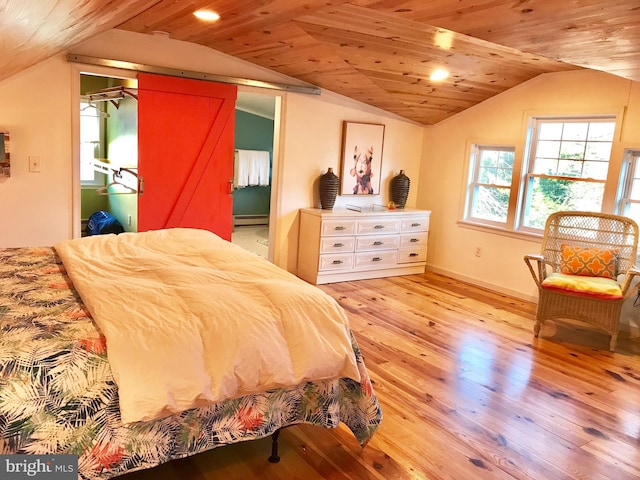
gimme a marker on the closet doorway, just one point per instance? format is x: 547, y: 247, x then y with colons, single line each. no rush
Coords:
x: 256, y: 128
x: 108, y: 152
x: 253, y: 170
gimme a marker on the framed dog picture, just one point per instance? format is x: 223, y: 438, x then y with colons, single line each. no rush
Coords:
x: 361, y: 158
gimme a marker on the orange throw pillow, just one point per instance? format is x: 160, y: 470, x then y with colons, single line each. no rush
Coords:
x: 591, y: 262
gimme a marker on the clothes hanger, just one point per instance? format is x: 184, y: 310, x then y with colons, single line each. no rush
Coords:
x: 101, y: 113
x: 105, y: 189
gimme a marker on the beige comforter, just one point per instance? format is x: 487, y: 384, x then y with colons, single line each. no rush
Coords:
x: 190, y: 319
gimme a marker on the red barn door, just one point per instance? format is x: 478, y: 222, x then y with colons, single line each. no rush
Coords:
x: 185, y: 153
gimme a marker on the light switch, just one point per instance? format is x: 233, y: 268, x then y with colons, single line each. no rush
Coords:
x: 34, y: 164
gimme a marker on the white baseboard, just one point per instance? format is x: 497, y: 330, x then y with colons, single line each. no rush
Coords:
x: 484, y: 284
x: 625, y: 325
x: 250, y: 220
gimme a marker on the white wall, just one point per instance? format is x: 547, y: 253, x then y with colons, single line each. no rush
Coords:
x: 502, y: 120
x: 38, y: 105
x: 35, y: 208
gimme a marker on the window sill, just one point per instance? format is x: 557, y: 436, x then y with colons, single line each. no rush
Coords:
x: 527, y: 236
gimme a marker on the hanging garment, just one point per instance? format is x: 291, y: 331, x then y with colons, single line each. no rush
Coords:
x: 252, y: 168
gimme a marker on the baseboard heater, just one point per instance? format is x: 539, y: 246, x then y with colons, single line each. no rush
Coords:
x: 262, y: 219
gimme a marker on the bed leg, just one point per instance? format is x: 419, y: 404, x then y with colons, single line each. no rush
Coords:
x: 274, y: 458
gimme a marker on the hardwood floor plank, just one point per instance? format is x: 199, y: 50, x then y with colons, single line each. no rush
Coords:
x: 467, y: 392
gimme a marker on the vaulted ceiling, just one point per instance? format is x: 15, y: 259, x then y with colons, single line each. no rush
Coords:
x: 380, y: 52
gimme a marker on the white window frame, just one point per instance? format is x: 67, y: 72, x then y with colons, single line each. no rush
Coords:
x: 474, y: 183
x: 524, y: 171
x: 629, y: 172
x: 528, y: 177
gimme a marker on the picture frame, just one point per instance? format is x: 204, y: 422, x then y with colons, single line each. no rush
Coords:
x: 361, y: 161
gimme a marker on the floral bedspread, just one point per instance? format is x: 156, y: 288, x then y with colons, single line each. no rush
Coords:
x: 57, y: 393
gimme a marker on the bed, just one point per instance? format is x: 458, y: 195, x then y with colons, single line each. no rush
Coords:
x: 65, y: 375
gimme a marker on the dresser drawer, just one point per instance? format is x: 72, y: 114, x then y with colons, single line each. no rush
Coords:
x: 413, y: 239
x: 345, y: 245
x: 373, y: 226
x: 409, y: 255
x: 377, y: 242
x: 337, y: 261
x: 382, y: 259
x: 338, y: 227
x: 337, y: 244
x: 415, y: 224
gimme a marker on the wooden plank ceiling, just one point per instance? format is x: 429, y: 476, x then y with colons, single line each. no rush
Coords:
x: 380, y: 52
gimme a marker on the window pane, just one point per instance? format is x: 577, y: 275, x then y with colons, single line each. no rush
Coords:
x: 488, y: 158
x: 547, y: 195
x: 550, y: 131
x: 491, y: 203
x: 575, y: 131
x: 633, y: 210
x: 545, y: 166
x: 496, y: 176
x: 86, y: 155
x: 635, y: 189
x: 89, y: 141
x: 573, y: 150
x: 596, y: 170
x: 601, y: 131
x: 487, y: 175
x: 506, y: 160
x: 548, y: 149
x: 598, y: 151
x: 503, y: 176
x: 569, y: 168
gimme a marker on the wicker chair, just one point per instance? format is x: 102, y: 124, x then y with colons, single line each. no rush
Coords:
x: 584, y: 230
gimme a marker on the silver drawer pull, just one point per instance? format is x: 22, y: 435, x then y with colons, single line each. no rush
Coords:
x: 414, y: 240
x: 415, y: 224
x: 338, y: 245
x: 413, y: 254
x: 376, y: 259
x: 337, y: 262
x: 378, y: 243
x: 339, y: 227
x: 379, y: 227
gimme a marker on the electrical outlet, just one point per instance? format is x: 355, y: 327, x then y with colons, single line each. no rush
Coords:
x: 34, y: 164
x: 129, y: 220
x: 477, y: 251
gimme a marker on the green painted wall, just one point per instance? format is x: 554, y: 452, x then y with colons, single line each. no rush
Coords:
x: 122, y: 151
x: 253, y: 132
x: 91, y: 202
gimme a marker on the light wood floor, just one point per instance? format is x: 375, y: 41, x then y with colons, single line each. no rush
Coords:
x: 467, y: 393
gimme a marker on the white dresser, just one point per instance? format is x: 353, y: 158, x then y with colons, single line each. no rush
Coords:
x: 341, y: 245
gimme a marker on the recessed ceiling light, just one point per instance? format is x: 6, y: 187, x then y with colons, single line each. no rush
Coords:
x: 439, y: 75
x: 207, y: 15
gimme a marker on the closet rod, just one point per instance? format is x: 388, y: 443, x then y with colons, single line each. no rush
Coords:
x: 174, y: 72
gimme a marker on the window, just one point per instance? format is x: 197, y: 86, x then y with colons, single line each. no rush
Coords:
x: 490, y: 184
x: 568, y: 162
x: 565, y: 166
x: 90, y: 143
x: 629, y: 191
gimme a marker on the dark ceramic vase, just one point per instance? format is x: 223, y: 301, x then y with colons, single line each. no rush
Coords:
x: 328, y: 189
x: 400, y: 189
